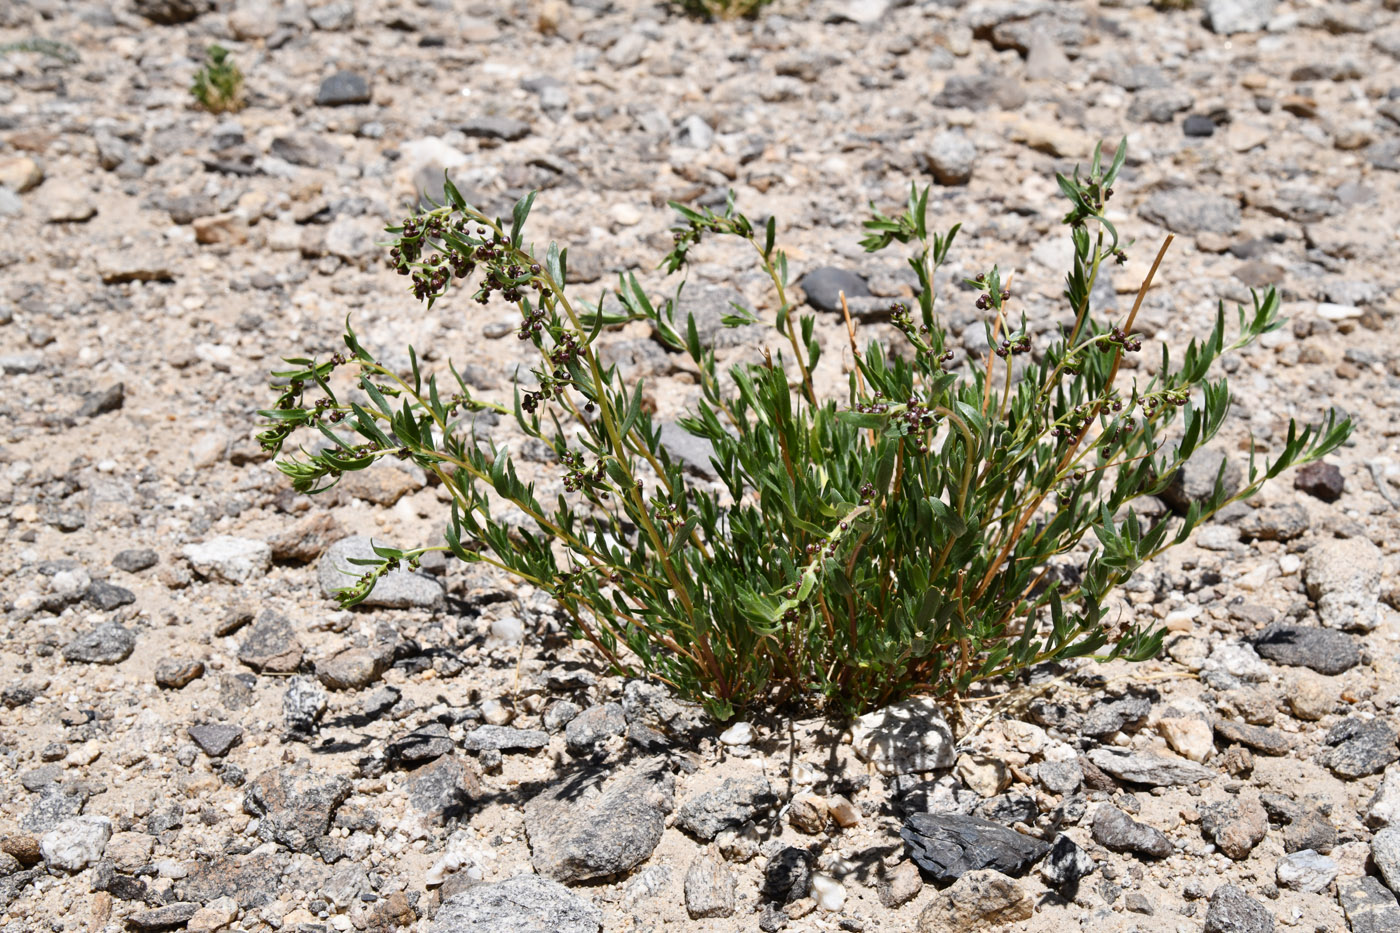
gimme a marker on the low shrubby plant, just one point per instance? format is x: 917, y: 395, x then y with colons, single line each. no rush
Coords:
x: 938, y: 521
x: 49, y: 48
x: 218, y: 84
x: 722, y: 9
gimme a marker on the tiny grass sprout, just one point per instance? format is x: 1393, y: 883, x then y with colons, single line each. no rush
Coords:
x: 218, y: 84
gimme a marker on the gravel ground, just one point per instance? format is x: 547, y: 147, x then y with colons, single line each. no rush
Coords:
x: 195, y: 737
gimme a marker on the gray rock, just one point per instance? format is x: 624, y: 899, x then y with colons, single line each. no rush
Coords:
x: 627, y: 50
x: 423, y: 744
x: 1323, y: 650
x: 694, y: 133
x: 502, y: 128
x: 1344, y: 578
x: 709, y: 888
x: 163, y: 918
x: 333, y: 16
x: 56, y: 803
x: 559, y: 714
x: 1233, y: 911
x: 230, y: 559
x: 1188, y: 212
x: 1368, y: 906
x: 109, y: 643
x: 1195, y: 481
x: 341, y: 88
x: 1359, y: 747
x: 947, y: 845
x: 979, y: 900
x: 172, y: 12
x: 1227, y: 17
x: 1115, y: 830
x: 1115, y: 715
x: 523, y: 904
x: 443, y: 790
x: 594, y: 726
x: 901, y: 885
x: 355, y: 668
x: 294, y: 808
x: 1275, y: 523
x: 1306, y: 870
x: 306, y: 149
x: 709, y: 304
x: 1159, y: 105
x: 174, y: 673
x: 303, y: 704
x: 788, y: 875
x: 591, y: 824
x: 215, y: 739
x: 1383, y: 809
x: 504, y: 739
x: 980, y: 92
x: 1065, y: 863
x: 106, y: 597
x: 1385, y: 852
x: 1236, y: 826
x: 103, y: 401
x: 398, y: 589
x: 729, y: 806
x: 75, y: 843
x: 950, y: 158
x: 692, y: 452
x: 1259, y: 738
x: 1148, y: 769
x: 1060, y: 777
x: 1321, y: 480
x: 271, y: 646
x: 823, y: 287
x: 251, y: 880
x: 653, y: 706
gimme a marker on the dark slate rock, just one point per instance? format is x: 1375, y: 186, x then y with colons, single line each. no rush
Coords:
x: 594, y: 726
x: 343, y: 87
x: 216, y: 738
x: 1116, y: 715
x: 980, y: 92
x: 443, y: 790
x: 1065, y: 863
x: 1009, y: 809
x: 1260, y: 738
x: 1195, y: 481
x: 504, y: 128
x: 134, y: 560
x: 102, y: 402
x: 172, y: 12
x: 1198, y: 125
x: 109, y: 643
x: 1321, y: 480
x: 504, y: 739
x: 1188, y: 212
x: 55, y: 804
x: 824, y: 285
x: 788, y: 875
x: 1368, y: 906
x: 294, y: 808
x: 946, y: 845
x: 162, y: 918
x: 729, y: 806
x: 1115, y: 830
x: 523, y: 904
x: 576, y: 836
x: 105, y: 596
x: 1326, y: 651
x: 1233, y: 911
x: 421, y: 745
x: 271, y: 646
x: 1359, y: 747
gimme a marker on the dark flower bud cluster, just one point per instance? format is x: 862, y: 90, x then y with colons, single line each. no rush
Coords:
x: 877, y: 406
x: 550, y: 388
x: 1152, y: 404
x: 918, y: 420
x: 867, y: 493
x: 1009, y: 347
x: 665, y: 510
x: 579, y: 474
x: 1129, y: 343
x: 1073, y: 421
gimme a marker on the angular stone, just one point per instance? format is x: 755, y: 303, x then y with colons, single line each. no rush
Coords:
x: 252, y: 880
x: 1306, y: 871
x: 1323, y: 650
x: 162, y: 918
x: 341, y: 88
x: 354, y: 668
x: 1383, y: 809
x: 946, y: 846
x: 1188, y: 736
x: 1344, y: 578
x: 824, y: 285
x: 230, y: 559
x: 271, y: 646
x: 980, y: 92
x: 1105, y: 718
x: 709, y: 888
x: 1066, y: 863
x: 1359, y: 747
x: 1385, y: 852
x: 304, y: 702
x: 1227, y: 17
x: 75, y: 843
x: 977, y: 901
x: 1236, y: 826
x: 503, y: 128
x: 1321, y: 480
x: 788, y: 876
x: 134, y: 560
x: 1368, y: 906
x: 108, y: 643
x: 901, y: 885
x: 1195, y: 481
x: 106, y: 597
x: 729, y: 806
x: 306, y: 540
x: 423, y: 744
x: 523, y: 904
x: 1152, y: 770
x: 1114, y: 829
x: 591, y: 824
x: 1231, y: 910
x: 216, y: 739
x: 504, y: 739
x: 906, y: 737
x: 294, y: 808
x: 1189, y: 212
x: 443, y: 790
x: 172, y: 12
x: 594, y: 726
x: 1261, y: 739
